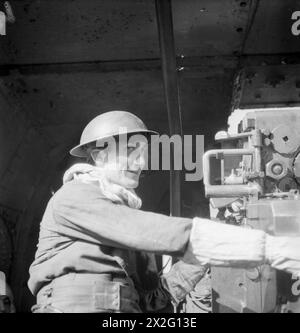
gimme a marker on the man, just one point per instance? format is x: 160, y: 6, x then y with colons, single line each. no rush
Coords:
x: 96, y: 248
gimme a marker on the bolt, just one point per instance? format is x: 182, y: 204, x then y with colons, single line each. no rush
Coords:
x: 267, y: 142
x: 253, y: 274
x: 266, y: 132
x: 277, y: 169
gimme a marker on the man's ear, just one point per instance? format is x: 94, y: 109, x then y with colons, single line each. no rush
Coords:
x: 99, y: 156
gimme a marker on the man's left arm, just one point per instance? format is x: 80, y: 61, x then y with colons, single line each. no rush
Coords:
x: 182, y: 279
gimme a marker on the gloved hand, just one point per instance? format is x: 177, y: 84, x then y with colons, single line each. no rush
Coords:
x: 226, y: 245
x: 221, y: 244
x: 283, y: 253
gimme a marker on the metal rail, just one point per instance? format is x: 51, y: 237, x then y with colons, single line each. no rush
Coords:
x: 169, y: 71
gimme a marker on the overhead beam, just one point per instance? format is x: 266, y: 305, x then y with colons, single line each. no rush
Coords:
x: 188, y: 63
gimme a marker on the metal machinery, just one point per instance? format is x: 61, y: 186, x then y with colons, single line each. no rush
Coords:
x: 253, y: 181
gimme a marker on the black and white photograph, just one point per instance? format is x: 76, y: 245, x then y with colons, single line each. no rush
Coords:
x: 149, y: 159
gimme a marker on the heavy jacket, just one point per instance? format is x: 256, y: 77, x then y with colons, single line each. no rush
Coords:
x: 83, y: 232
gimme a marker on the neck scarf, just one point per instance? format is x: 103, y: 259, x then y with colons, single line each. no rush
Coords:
x: 153, y: 295
x: 90, y: 174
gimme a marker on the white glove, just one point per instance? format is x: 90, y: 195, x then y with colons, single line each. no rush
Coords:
x: 221, y: 244
x: 283, y: 253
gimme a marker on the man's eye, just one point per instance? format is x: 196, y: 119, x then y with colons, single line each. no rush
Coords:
x: 130, y: 149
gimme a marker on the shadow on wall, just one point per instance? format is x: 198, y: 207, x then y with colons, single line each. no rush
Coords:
x: 26, y: 172
x: 193, y: 201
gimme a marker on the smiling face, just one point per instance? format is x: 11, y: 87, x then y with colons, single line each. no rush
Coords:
x: 123, y: 161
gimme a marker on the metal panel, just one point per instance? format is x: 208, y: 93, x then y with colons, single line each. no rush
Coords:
x: 271, y: 29
x: 267, y: 86
x: 60, y: 105
x: 88, y: 30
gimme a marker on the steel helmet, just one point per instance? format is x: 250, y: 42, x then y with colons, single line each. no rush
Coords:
x: 106, y: 125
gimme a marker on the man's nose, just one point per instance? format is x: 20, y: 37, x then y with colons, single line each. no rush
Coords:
x: 136, y: 165
x: 141, y: 161
x: 138, y: 160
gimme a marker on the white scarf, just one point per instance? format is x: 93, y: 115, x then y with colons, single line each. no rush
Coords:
x: 154, y: 299
x: 88, y: 173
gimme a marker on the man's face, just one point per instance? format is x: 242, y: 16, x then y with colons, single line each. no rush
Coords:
x: 124, y: 164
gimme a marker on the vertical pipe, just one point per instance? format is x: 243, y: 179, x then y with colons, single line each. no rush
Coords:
x: 169, y: 71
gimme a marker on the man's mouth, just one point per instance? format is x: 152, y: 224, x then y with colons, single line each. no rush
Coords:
x: 134, y: 172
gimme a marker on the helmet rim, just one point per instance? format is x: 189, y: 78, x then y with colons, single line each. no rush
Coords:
x: 79, y: 151
x: 109, y: 124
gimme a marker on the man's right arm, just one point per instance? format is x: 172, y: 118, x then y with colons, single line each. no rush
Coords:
x: 86, y: 215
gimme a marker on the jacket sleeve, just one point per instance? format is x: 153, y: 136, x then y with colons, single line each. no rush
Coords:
x: 87, y: 216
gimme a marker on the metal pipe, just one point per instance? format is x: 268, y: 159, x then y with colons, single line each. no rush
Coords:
x: 257, y: 144
x: 229, y: 137
x: 222, y: 191
x: 169, y: 71
x: 220, y: 152
x: 232, y: 191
